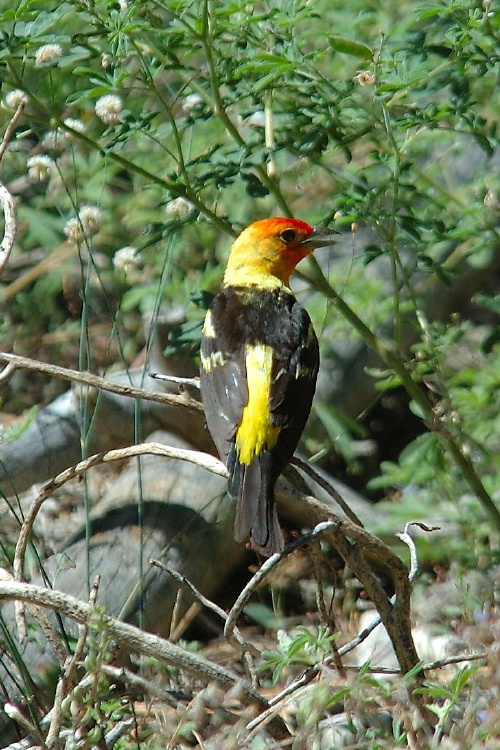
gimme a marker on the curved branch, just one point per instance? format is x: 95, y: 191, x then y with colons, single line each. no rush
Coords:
x: 201, y: 459
x: 9, y: 237
x: 139, y: 641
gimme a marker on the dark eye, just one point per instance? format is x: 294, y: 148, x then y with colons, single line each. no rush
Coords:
x: 288, y: 235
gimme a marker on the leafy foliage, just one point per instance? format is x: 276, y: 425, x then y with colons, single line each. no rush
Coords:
x: 153, y: 131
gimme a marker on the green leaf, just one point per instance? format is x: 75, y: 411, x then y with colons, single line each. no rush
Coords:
x: 16, y: 430
x: 42, y: 22
x: 350, y: 47
x: 339, y: 429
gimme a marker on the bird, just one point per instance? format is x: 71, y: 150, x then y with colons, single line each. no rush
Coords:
x: 259, y: 360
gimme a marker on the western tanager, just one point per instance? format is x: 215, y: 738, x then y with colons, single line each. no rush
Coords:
x: 259, y: 361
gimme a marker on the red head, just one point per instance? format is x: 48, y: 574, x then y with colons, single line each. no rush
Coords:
x: 267, y: 251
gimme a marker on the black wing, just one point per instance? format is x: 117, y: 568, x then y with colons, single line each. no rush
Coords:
x: 223, y: 387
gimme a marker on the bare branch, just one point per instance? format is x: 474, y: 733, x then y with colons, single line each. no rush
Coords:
x: 134, y: 639
x: 95, y: 381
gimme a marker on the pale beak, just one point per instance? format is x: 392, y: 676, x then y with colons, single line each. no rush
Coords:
x: 321, y: 237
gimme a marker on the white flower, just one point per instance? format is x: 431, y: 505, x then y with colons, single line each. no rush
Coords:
x: 74, y: 231
x: 108, y: 108
x: 124, y: 258
x: 74, y: 124
x: 258, y: 119
x: 90, y: 218
x: 55, y: 141
x: 190, y: 102
x: 179, y: 207
x: 15, y: 98
x: 40, y: 167
x: 48, y: 53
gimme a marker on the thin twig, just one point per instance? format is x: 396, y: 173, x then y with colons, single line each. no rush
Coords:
x: 406, y: 538
x: 328, y: 619
x: 67, y: 679
x: 426, y: 666
x: 148, y: 687
x: 119, y: 730
x: 325, y: 485
x: 264, y: 570
x: 9, y: 132
x: 95, y: 381
x: 193, y: 382
x: 7, y: 372
x: 242, y: 644
x: 185, y: 621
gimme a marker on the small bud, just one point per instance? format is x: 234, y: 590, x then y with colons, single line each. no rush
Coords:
x: 365, y: 78
x: 491, y: 201
x: 94, y: 736
x: 108, y: 108
x: 124, y: 258
x: 15, y: 98
x: 179, y: 207
x: 74, y: 124
x: 12, y: 712
x: 40, y: 167
x: 106, y: 60
x: 337, y: 215
x: 354, y: 227
x: 48, y: 53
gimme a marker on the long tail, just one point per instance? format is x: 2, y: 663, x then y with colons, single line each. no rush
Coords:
x: 256, y: 518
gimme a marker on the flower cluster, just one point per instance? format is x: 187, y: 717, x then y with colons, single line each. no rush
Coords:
x: 84, y: 225
x: 14, y: 98
x: 124, y: 258
x: 108, y: 108
x: 48, y: 54
x: 179, y: 207
x: 55, y: 141
x: 40, y: 167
